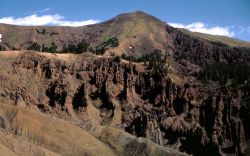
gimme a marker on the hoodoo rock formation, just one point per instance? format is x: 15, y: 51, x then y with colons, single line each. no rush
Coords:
x: 143, y: 102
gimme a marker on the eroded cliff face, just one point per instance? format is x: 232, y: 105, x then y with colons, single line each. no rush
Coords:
x: 96, y: 91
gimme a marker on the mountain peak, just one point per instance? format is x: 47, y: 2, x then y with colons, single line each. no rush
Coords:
x: 139, y: 30
x: 137, y: 15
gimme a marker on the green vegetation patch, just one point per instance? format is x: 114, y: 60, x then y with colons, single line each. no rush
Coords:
x: 81, y: 47
x: 106, y: 45
x: 51, y: 49
x: 34, y: 46
x: 227, y: 74
x: 154, y: 60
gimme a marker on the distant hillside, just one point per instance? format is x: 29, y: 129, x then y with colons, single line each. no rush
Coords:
x: 22, y: 37
x: 137, y: 33
x: 220, y: 39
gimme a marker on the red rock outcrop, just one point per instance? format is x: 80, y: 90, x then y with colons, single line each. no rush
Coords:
x: 129, y: 96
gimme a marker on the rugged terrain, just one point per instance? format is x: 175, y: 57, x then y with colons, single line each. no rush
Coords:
x: 159, y: 91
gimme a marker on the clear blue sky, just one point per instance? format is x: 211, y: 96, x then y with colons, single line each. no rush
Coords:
x: 232, y: 16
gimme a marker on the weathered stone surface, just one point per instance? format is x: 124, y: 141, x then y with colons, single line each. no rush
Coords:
x: 145, y: 103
